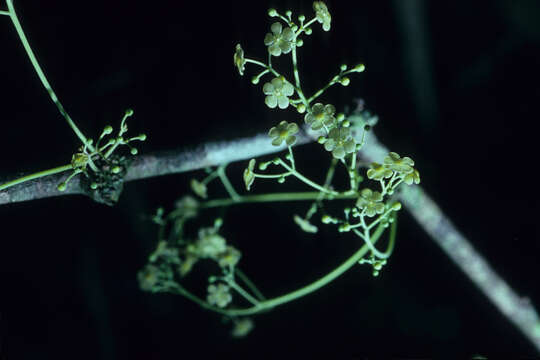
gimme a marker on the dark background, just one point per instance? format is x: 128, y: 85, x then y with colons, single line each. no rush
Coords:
x: 456, y: 87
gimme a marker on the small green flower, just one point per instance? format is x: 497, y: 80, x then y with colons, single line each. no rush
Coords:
x: 242, y: 327
x: 219, y: 295
x: 283, y: 132
x: 280, y: 40
x: 79, y: 161
x: 148, y: 277
x: 320, y: 115
x: 305, y: 225
x: 278, y: 91
x: 370, y: 201
x: 199, y: 188
x: 239, y: 60
x: 229, y: 257
x: 323, y: 16
x: 340, y: 142
x: 163, y: 251
x: 187, y: 264
x: 378, y: 172
x: 249, y: 176
x: 412, y: 177
x: 209, y: 244
x: 397, y: 164
x: 187, y: 206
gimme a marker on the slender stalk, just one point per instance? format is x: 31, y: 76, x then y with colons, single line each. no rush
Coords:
x: 37, y: 175
x: 272, y: 197
x: 13, y: 15
x: 226, y: 183
x: 243, y: 292
x: 249, y: 284
x: 306, y: 180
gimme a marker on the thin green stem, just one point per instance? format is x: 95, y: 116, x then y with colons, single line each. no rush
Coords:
x: 373, y: 249
x: 37, y: 175
x: 309, y: 23
x: 3, y: 12
x: 273, y: 197
x: 242, y: 292
x: 280, y: 300
x: 249, y: 284
x: 306, y: 180
x: 210, y: 177
x: 382, y: 216
x: 322, y: 90
x: 267, y: 67
x: 328, y: 179
x: 297, y: 78
x: 291, y: 158
x: 271, y: 176
x: 41, y: 75
x: 226, y: 183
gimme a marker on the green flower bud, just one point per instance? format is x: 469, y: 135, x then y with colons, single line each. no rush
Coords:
x: 321, y: 140
x: 133, y: 151
x: 108, y: 129
x: 272, y: 12
x: 218, y: 222
x: 281, y: 180
x: 326, y: 219
x: 340, y: 117
x: 301, y: 18
x: 345, y: 81
x: 360, y: 68
x: 308, y: 31
x: 116, y: 169
x: 61, y: 186
x: 346, y: 123
x: 299, y: 42
x: 396, y: 206
x: 93, y: 186
x: 343, y: 67
x: 301, y: 108
x: 288, y: 13
x: 129, y: 112
x: 344, y: 227
x: 255, y: 80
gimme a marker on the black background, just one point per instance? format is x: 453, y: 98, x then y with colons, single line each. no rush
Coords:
x: 455, y: 85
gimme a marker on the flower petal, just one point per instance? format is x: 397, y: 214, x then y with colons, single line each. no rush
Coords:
x: 271, y: 101
x: 283, y: 102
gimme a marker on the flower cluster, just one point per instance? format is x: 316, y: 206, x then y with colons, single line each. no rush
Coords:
x: 97, y: 157
x: 211, y: 245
